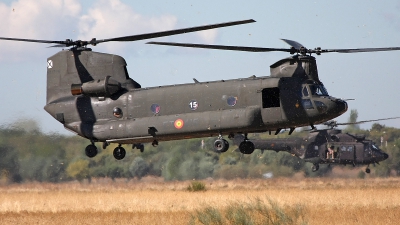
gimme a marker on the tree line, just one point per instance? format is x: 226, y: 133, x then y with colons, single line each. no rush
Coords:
x: 31, y: 155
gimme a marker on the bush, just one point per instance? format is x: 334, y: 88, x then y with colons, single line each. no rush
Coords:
x: 361, y: 174
x: 255, y: 212
x: 139, y: 168
x: 196, y: 186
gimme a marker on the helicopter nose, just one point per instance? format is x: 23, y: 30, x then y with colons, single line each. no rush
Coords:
x: 340, y: 106
x: 385, y: 156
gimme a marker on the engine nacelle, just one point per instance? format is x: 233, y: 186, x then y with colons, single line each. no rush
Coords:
x: 97, y: 88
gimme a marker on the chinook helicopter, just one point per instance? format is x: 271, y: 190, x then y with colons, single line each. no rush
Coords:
x: 326, y: 146
x: 92, y: 95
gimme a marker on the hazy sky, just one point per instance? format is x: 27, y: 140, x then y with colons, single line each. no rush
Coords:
x: 370, y: 78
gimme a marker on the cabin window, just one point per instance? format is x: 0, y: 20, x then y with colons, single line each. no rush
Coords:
x: 271, y: 98
x: 155, y: 108
x: 117, y: 112
x: 231, y: 101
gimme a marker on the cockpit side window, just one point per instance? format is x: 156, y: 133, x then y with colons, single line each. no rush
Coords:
x: 305, y: 92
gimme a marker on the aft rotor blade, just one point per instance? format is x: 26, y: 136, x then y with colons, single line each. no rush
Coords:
x: 32, y: 40
x: 356, y: 50
x: 221, y: 47
x: 367, y: 121
x: 174, y: 32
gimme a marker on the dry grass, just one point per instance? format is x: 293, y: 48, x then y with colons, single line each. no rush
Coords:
x: 152, y: 201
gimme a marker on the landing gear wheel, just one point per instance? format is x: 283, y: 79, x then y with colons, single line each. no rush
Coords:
x: 154, y: 143
x: 246, y: 147
x: 221, y: 145
x: 368, y: 170
x: 315, y: 167
x: 91, y: 151
x: 119, y: 153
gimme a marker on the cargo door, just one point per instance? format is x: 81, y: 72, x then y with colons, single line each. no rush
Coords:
x: 271, y: 105
x: 347, y: 153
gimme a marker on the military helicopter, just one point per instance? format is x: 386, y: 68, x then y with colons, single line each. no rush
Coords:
x: 326, y: 146
x: 92, y: 95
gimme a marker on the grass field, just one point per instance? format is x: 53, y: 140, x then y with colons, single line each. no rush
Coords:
x: 152, y: 201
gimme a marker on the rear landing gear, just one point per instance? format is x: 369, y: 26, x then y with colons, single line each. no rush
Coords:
x: 315, y: 167
x: 246, y: 146
x: 119, y: 153
x: 91, y: 150
x: 368, y: 170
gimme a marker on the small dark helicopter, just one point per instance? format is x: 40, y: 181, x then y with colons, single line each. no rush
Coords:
x: 92, y: 94
x: 326, y: 146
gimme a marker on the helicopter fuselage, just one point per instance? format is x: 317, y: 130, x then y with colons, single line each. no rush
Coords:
x: 91, y: 94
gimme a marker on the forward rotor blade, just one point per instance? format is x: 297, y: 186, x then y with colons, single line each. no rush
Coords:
x: 294, y: 44
x: 356, y: 50
x: 221, y: 47
x: 367, y: 121
x: 174, y: 32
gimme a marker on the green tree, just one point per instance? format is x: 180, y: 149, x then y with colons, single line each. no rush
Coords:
x: 79, y: 169
x: 353, y: 119
x: 139, y: 168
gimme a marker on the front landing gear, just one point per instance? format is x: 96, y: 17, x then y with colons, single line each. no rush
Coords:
x: 368, y: 170
x: 91, y: 150
x: 119, y: 153
x: 221, y: 145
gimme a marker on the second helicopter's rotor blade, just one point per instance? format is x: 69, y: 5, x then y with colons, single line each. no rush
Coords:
x: 356, y: 50
x: 221, y: 47
x: 367, y: 121
x: 174, y: 32
x: 58, y: 46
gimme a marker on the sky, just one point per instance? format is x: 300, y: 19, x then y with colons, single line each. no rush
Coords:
x: 369, y: 78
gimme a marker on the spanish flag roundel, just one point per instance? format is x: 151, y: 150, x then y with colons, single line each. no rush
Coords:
x: 178, y: 123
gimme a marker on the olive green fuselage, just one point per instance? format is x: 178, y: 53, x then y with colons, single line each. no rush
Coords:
x: 173, y: 112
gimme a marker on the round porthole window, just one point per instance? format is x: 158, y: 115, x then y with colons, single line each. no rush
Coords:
x: 231, y: 101
x: 155, y: 108
x: 117, y: 112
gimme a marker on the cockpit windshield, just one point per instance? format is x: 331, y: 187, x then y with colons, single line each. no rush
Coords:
x: 318, y: 89
x: 374, y: 147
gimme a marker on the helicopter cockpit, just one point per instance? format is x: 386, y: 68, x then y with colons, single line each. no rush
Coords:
x: 314, y: 90
x: 317, y: 102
